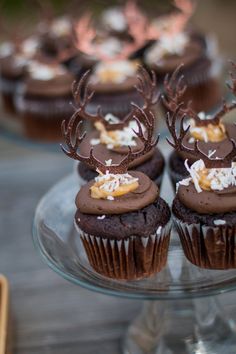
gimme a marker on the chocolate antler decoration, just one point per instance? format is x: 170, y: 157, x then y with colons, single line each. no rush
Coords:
x: 180, y: 20
x: 232, y: 76
x: 82, y: 96
x: 73, y: 138
x: 147, y: 87
x: 175, y: 89
x: 232, y: 87
x: 178, y: 145
x: 86, y: 38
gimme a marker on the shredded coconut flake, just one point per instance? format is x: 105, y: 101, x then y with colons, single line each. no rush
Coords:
x: 45, y: 72
x: 94, y: 141
x: 124, y: 137
x: 111, y: 182
x: 219, y: 222
x: 101, y: 217
x: 108, y: 162
x: 110, y: 197
x: 168, y: 44
x: 220, y: 178
x: 111, y: 118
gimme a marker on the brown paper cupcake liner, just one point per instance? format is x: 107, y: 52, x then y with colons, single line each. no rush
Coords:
x: 45, y: 108
x: 42, y: 118
x: 206, y: 246
x: 130, y: 258
x: 8, y: 90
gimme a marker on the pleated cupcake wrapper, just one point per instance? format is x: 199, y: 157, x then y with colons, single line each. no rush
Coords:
x: 56, y: 107
x: 131, y: 258
x: 207, y: 246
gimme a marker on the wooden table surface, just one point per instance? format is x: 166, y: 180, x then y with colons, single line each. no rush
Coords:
x: 50, y: 315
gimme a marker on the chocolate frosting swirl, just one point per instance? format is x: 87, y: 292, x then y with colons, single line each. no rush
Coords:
x: 222, y: 148
x: 208, y: 202
x: 102, y: 153
x: 144, y: 195
x: 58, y: 86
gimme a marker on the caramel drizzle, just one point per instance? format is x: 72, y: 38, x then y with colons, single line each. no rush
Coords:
x: 178, y: 145
x: 73, y: 138
x: 83, y: 94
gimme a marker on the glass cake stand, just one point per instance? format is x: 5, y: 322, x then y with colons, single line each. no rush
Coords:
x: 191, y: 321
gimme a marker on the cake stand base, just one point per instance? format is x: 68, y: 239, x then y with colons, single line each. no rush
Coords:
x: 197, y: 326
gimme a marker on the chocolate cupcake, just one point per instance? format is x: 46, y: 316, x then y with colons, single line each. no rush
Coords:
x: 113, y: 72
x: 210, y: 130
x: 123, y: 224
x: 175, y: 45
x: 44, y: 100
x: 112, y: 137
x: 14, y: 58
x: 114, y: 86
x: 57, y: 39
x: 204, y: 208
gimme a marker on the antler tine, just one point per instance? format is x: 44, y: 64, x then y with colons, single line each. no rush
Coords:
x: 232, y: 75
x: 148, y: 120
x: 224, y: 109
x: 147, y: 87
x: 175, y: 89
x: 82, y: 96
x: 171, y: 120
x: 81, y: 90
x: 73, y: 138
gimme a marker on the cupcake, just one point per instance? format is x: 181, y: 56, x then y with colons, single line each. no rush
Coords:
x: 113, y: 72
x: 204, y: 208
x: 176, y: 44
x: 13, y: 62
x: 113, y: 83
x: 44, y: 100
x: 57, y: 39
x: 211, y: 131
x: 123, y: 223
x: 112, y: 136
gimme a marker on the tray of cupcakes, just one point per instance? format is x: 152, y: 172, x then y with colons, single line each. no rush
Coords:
x: 37, y: 71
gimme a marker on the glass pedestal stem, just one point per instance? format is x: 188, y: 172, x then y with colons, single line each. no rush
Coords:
x: 196, y: 326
